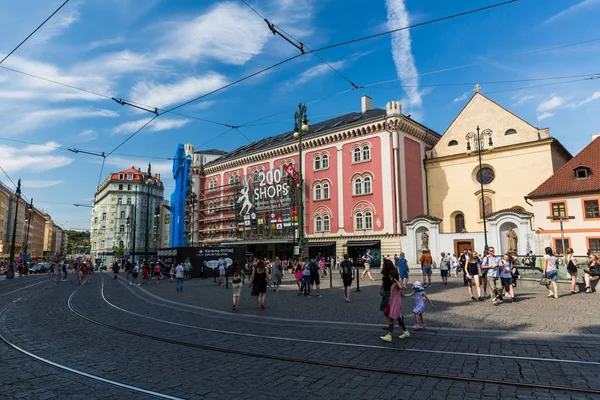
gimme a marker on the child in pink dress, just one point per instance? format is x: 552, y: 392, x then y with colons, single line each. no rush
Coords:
x: 394, y: 309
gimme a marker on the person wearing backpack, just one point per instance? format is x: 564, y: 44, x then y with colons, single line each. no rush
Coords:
x: 347, y: 273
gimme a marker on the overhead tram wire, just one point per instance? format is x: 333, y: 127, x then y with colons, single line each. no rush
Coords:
x: 277, y: 30
x: 34, y: 31
x: 332, y: 46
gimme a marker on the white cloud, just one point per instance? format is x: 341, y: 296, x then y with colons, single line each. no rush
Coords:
x: 58, y: 24
x: 315, y: 72
x: 44, y: 148
x: 27, y: 120
x: 121, y: 63
x: 87, y: 132
x: 106, y: 42
x: 464, y: 96
x: 18, y: 159
x: 551, y: 104
x: 160, y: 124
x: 594, y: 96
x: 522, y: 99
x: 398, y: 17
x: 570, y: 10
x: 162, y: 95
x: 202, y: 105
x: 229, y: 32
x: 38, y: 184
x: 544, y: 116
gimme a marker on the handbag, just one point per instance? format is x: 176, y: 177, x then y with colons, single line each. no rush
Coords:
x: 545, y: 281
x: 386, y: 311
x: 571, y: 267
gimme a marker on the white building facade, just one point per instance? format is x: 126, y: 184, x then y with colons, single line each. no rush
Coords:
x: 128, y: 214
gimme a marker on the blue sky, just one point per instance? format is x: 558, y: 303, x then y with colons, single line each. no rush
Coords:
x: 163, y: 53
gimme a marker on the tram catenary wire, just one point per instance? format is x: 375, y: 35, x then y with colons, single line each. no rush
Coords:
x: 328, y: 364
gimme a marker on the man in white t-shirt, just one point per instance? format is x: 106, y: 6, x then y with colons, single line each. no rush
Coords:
x: 490, y: 264
x: 179, y: 275
x: 444, y: 267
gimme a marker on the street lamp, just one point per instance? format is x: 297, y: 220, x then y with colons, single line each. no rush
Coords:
x: 127, y: 228
x: 192, y: 201
x: 148, y: 182
x: 479, y: 149
x: 11, y: 267
x: 156, y: 224
x: 300, y: 120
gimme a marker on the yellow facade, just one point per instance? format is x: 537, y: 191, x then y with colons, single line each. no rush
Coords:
x: 522, y: 157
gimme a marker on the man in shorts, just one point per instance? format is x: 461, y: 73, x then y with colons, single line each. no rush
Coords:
x: 347, y: 272
x: 426, y: 262
x: 367, y: 260
x: 187, y: 269
x: 222, y: 266
x: 445, y: 267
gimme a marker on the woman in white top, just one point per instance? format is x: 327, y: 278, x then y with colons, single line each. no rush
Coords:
x: 551, y: 272
x: 571, y: 263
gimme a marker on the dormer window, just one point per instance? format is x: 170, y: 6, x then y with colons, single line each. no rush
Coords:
x: 582, y: 172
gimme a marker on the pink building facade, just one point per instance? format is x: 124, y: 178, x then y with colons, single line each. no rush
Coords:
x: 363, y: 175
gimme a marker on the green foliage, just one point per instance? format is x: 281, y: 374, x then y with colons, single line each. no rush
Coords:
x: 79, y: 242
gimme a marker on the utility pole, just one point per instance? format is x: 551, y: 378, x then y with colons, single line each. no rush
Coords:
x: 561, y: 218
x: 11, y: 265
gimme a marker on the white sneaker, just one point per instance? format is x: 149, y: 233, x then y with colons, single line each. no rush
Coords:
x: 130, y: 283
x: 507, y: 295
x: 347, y: 300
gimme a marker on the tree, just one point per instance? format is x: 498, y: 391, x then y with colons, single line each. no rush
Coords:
x: 119, y: 251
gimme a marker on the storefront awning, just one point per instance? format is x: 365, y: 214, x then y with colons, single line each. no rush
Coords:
x: 321, y: 244
x: 362, y: 243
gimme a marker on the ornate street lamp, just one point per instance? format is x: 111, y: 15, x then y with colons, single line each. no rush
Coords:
x: 301, y: 121
x: 479, y: 149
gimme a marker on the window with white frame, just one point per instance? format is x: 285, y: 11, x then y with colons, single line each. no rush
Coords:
x: 366, y: 185
x: 326, y: 223
x: 318, y: 192
x: 325, y: 191
x: 212, y: 207
x: 255, y: 176
x: 122, y: 214
x: 366, y: 153
x: 317, y: 163
x: 358, y: 221
x: 120, y: 200
x: 129, y: 177
x: 121, y: 228
x: 234, y: 179
x: 356, y: 155
x: 129, y: 200
x: 212, y: 185
x: 358, y: 186
x: 318, y: 224
x: 368, y: 220
x: 324, y: 161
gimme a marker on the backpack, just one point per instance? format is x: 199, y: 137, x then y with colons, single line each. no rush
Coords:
x: 313, y: 267
x: 346, y: 269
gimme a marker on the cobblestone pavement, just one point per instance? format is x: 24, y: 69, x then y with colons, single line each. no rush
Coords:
x: 198, y: 355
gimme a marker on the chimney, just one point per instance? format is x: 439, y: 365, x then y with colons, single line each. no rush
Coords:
x: 366, y: 103
x: 595, y: 136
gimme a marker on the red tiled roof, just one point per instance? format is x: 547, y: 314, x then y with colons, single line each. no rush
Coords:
x: 564, y: 181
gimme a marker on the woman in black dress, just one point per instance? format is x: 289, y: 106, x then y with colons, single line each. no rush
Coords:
x: 259, y: 284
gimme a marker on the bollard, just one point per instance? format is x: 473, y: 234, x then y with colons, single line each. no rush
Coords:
x: 214, y: 276
x: 358, y: 278
x: 226, y: 279
x: 330, y: 278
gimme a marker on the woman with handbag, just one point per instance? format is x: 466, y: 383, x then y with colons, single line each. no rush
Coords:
x: 571, y: 263
x: 592, y: 273
x: 551, y: 272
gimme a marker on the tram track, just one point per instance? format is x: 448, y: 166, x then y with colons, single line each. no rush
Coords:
x: 78, y: 372
x: 329, y: 364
